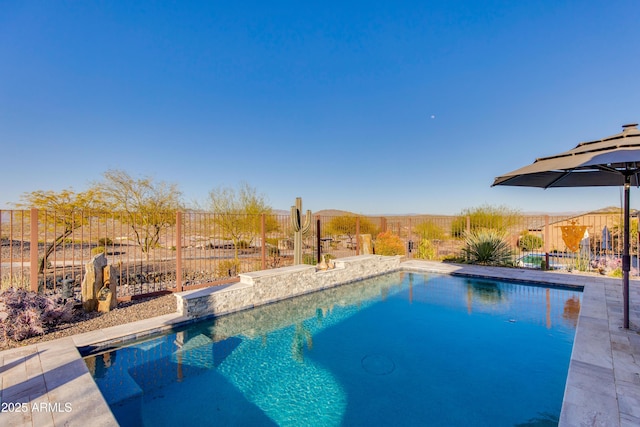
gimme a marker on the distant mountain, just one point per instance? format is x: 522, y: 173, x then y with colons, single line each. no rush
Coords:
x: 339, y: 212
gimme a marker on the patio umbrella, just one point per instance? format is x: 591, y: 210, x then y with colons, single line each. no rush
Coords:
x: 612, y: 161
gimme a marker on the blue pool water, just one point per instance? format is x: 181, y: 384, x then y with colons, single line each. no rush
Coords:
x: 400, y: 349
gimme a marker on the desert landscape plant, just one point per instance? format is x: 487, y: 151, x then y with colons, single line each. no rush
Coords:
x: 238, y: 214
x: 388, y: 243
x: 24, y: 314
x: 499, y: 218
x: 148, y: 206
x: 487, y: 246
x: 426, y: 250
x: 530, y: 242
x: 66, y: 211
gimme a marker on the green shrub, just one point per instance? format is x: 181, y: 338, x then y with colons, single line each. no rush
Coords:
x: 487, y: 247
x: 309, y: 259
x: 529, y: 242
x: 616, y: 273
x: 426, y: 250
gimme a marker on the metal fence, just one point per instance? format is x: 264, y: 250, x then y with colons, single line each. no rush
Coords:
x: 174, y: 251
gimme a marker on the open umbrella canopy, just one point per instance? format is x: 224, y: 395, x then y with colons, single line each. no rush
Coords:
x: 612, y: 161
x: 604, y: 162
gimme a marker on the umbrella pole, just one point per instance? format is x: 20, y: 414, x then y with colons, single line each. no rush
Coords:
x: 626, y: 259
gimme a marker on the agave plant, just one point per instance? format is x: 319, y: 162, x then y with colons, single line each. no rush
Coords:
x: 487, y: 247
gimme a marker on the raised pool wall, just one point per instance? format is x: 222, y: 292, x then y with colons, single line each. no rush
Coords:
x: 264, y: 287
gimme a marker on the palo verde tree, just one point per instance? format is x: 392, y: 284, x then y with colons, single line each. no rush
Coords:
x: 66, y: 211
x: 148, y: 206
x: 345, y: 225
x: 238, y: 213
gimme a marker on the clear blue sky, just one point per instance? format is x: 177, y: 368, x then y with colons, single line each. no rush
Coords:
x: 368, y: 106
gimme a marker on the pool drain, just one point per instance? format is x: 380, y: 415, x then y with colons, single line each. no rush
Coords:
x: 378, y: 364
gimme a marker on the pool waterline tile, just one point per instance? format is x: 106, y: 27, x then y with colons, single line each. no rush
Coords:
x: 600, y: 300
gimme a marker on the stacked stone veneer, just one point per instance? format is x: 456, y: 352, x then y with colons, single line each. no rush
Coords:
x: 263, y: 287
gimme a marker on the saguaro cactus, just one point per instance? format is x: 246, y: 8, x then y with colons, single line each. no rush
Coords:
x: 299, y: 228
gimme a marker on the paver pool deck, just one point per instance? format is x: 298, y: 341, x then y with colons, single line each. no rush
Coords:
x: 49, y: 384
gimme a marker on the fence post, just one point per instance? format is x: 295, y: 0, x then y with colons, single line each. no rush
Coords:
x: 410, y: 241
x: 318, y: 241
x: 263, y: 237
x: 33, y: 251
x: 357, y: 235
x: 546, y: 240
x: 178, y: 251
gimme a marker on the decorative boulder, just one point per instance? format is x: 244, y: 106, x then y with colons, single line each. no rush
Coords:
x: 92, y: 282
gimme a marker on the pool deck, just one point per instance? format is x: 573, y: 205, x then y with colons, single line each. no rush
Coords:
x: 49, y: 384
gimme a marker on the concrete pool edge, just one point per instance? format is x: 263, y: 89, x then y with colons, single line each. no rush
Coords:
x: 54, y: 372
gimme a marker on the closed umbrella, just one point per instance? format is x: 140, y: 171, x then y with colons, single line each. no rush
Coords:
x: 611, y: 161
x: 606, y: 239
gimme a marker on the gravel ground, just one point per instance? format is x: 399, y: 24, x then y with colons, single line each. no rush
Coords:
x: 126, y: 312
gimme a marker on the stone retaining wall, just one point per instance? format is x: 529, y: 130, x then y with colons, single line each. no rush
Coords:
x: 263, y: 287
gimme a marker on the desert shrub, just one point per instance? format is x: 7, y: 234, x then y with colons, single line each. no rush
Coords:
x: 487, y: 247
x: 388, y: 243
x: 616, y: 273
x: 494, y: 217
x: 105, y: 241
x: 426, y: 250
x: 19, y: 279
x: 24, y: 314
x: 98, y: 250
x: 429, y: 230
x: 529, y: 242
x: 228, y: 268
x: 582, y: 262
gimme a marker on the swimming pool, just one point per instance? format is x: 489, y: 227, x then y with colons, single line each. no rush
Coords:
x: 399, y: 349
